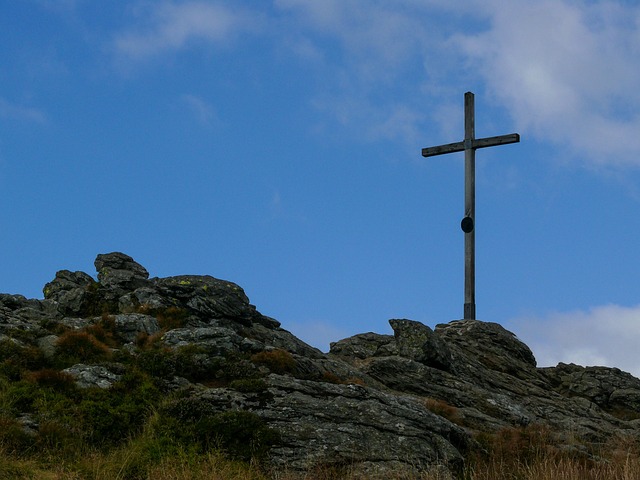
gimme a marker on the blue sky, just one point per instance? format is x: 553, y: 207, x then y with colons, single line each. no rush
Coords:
x: 277, y: 144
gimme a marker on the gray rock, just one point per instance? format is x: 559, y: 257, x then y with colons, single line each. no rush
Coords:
x: 73, y: 292
x: 76, y: 323
x: 327, y: 424
x: 64, y: 282
x: 28, y: 424
x: 120, y: 272
x: 489, y: 343
x: 208, y: 297
x: 611, y: 389
x: 217, y: 340
x: 146, y: 298
x: 130, y: 325
x: 418, y: 342
x: 365, y: 345
x: 88, y: 376
x: 283, y: 339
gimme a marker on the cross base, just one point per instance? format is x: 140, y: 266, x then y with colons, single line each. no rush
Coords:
x: 469, y: 311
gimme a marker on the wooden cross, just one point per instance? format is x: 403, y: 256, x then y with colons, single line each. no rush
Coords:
x: 469, y: 146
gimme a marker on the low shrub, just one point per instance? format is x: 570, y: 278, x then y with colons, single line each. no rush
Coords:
x: 80, y: 347
x: 104, y: 330
x: 171, y: 317
x: 443, y: 409
x: 13, y: 437
x: 241, y: 435
x: 110, y: 416
x: 277, y: 361
x: 54, y: 379
x: 15, y: 358
x: 59, y: 438
x: 249, y: 385
x: 195, y: 422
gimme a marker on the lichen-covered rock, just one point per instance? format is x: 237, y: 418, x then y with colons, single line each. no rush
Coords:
x: 328, y: 424
x: 47, y: 345
x: 146, y: 298
x: 489, y: 343
x: 130, y: 326
x: 117, y: 268
x: 64, y: 282
x: 217, y: 340
x: 88, y: 376
x: 611, y: 389
x: 71, y: 291
x: 418, y: 342
x: 27, y: 315
x: 208, y: 297
x: 365, y: 345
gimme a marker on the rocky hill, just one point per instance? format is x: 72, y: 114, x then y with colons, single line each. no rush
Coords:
x: 416, y: 400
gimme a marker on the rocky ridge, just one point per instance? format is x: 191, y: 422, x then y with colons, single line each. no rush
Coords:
x: 412, y: 401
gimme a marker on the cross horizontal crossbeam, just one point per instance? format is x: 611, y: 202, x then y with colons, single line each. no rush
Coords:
x: 475, y: 143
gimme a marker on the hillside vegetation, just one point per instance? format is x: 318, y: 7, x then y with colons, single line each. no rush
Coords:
x: 129, y: 377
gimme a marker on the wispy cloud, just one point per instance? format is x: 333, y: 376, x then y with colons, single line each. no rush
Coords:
x: 14, y: 111
x: 363, y: 50
x: 170, y: 26
x: 567, y: 71
x: 201, y: 109
x: 605, y: 335
x: 278, y: 209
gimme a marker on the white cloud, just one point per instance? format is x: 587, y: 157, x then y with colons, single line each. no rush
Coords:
x: 567, y: 71
x: 363, y: 51
x: 201, y: 109
x: 173, y: 26
x: 13, y: 111
x: 605, y: 335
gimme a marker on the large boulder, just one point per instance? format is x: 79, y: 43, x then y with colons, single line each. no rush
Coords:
x: 418, y: 342
x: 119, y: 271
x: 92, y: 376
x: 208, y: 297
x: 365, y: 345
x: 327, y: 424
x: 613, y: 390
x: 492, y: 345
x: 73, y: 292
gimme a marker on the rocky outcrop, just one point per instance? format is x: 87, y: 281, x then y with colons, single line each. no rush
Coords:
x: 491, y: 380
x: 326, y: 423
x: 408, y: 402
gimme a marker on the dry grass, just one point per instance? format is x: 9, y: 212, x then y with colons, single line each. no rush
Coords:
x: 533, y: 453
x: 556, y: 469
x: 442, y: 408
x: 530, y: 453
x: 213, y: 466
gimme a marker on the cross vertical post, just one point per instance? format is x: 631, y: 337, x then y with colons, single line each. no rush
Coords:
x: 469, y: 146
x: 469, y: 208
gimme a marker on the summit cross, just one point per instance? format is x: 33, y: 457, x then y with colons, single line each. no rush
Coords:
x: 469, y: 146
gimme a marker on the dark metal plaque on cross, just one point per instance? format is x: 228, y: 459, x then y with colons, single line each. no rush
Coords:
x: 469, y: 146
